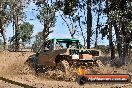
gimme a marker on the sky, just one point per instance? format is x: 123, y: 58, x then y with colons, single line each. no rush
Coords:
x: 38, y: 27
x: 60, y: 29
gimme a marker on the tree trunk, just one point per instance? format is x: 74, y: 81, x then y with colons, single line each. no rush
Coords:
x: 16, y: 34
x: 97, y: 26
x: 118, y: 38
x: 118, y: 33
x: 122, y: 43
x: 46, y: 30
x: 70, y: 27
x: 2, y: 30
x: 15, y: 22
x: 107, y: 6
x: 72, y: 31
x: 130, y: 55
x: 111, y: 45
x: 89, y: 22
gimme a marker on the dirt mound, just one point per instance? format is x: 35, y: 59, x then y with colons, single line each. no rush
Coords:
x: 13, y: 62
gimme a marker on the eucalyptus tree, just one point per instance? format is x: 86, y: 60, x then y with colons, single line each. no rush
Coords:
x: 89, y: 22
x: 97, y: 9
x: 68, y: 9
x: 17, y: 7
x: 38, y: 41
x: 25, y: 31
x: 11, y: 12
x: 119, y: 16
x: 71, y: 13
x: 122, y: 20
x: 47, y: 17
x: 5, y: 18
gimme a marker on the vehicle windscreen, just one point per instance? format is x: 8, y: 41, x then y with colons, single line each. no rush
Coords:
x: 67, y: 44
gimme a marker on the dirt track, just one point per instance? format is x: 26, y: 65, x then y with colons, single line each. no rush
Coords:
x: 12, y: 67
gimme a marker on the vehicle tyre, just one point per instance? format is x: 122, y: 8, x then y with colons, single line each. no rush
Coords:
x: 27, y: 69
x: 63, y: 65
x: 81, y: 80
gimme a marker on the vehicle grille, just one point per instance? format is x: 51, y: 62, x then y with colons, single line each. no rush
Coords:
x: 74, y: 52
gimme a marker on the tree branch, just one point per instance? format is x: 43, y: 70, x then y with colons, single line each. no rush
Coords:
x: 66, y: 23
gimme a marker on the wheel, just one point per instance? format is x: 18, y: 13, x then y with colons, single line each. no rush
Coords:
x: 31, y: 59
x: 63, y: 65
x: 30, y: 64
x: 27, y: 69
x: 81, y: 80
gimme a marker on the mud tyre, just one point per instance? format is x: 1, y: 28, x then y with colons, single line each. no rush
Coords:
x: 81, y: 80
x: 27, y: 69
x: 63, y: 65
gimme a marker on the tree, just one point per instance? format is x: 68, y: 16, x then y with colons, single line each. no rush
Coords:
x: 71, y: 13
x: 98, y: 11
x: 38, y: 42
x: 89, y: 22
x: 47, y: 18
x: 70, y: 24
x: 17, y: 7
x: 24, y: 33
x: 11, y: 11
x: 119, y: 16
x: 67, y: 10
x: 4, y: 19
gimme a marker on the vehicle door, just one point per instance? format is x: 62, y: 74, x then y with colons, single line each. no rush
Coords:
x: 44, y: 54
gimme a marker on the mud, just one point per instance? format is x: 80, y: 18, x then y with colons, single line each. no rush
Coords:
x: 12, y: 67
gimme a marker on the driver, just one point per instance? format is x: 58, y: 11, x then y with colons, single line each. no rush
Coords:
x: 58, y: 46
x: 67, y: 45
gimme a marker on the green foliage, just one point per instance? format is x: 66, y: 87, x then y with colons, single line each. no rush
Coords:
x: 47, y: 15
x: 104, y: 49
x: 10, y: 8
x: 4, y: 13
x: 118, y: 13
x: 70, y: 6
x: 38, y: 41
x: 25, y: 31
x: 104, y: 31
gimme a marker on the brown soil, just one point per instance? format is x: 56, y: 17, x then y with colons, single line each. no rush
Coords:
x: 12, y: 67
